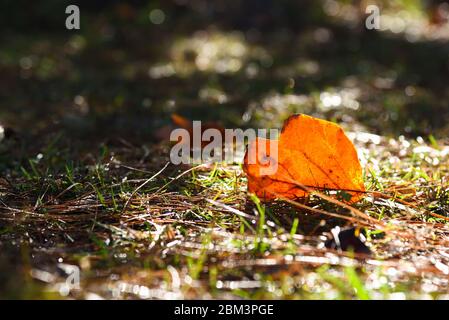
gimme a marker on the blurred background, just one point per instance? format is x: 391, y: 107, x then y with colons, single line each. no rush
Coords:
x: 243, y: 63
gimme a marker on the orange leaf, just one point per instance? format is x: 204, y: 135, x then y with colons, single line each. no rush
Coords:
x: 181, y: 122
x: 312, y: 155
x: 187, y: 124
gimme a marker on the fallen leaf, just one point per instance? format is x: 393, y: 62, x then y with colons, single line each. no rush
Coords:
x: 181, y: 122
x: 187, y: 124
x: 163, y: 133
x: 310, y: 155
